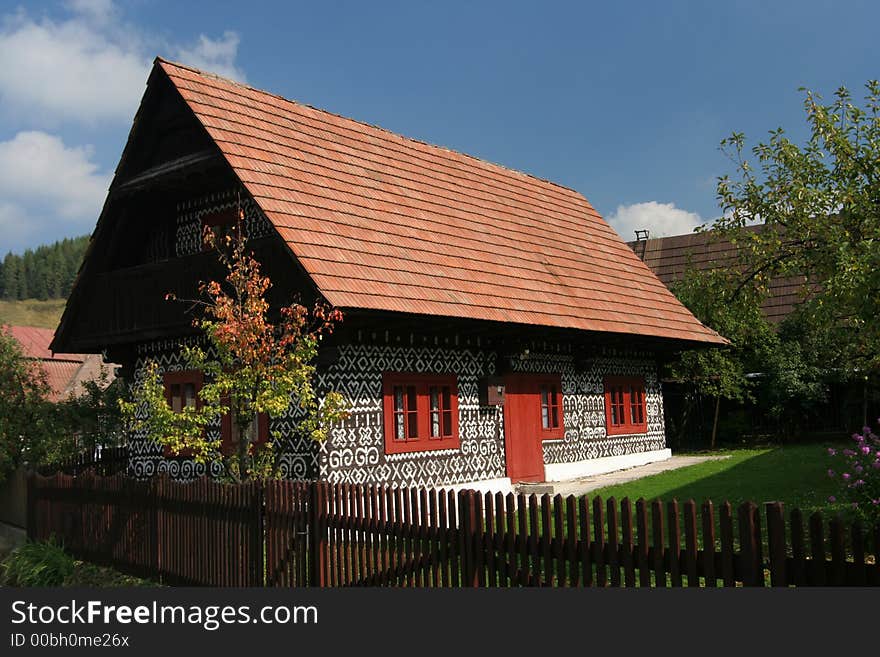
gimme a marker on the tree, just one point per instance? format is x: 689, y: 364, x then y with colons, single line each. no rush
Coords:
x: 820, y: 206
x: 28, y: 429
x: 722, y: 373
x: 251, y: 366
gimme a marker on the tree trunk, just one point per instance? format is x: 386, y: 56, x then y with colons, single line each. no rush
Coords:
x: 715, y: 421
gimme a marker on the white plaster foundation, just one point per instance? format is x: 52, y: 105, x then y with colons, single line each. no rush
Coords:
x: 590, y: 467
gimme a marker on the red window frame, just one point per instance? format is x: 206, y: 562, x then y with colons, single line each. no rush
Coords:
x: 625, y: 406
x: 181, y: 378
x: 552, y: 422
x: 227, y: 446
x: 420, y: 412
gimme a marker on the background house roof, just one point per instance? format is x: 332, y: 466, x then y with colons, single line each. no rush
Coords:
x: 383, y: 222
x: 670, y: 257
x: 65, y: 373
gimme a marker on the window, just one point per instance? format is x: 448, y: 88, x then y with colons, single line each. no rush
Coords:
x: 549, y: 397
x: 222, y: 222
x: 230, y: 434
x: 420, y: 412
x: 625, y: 410
x: 182, y: 390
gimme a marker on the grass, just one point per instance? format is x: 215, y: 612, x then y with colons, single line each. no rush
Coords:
x: 32, y: 312
x: 794, y: 475
x: 48, y: 564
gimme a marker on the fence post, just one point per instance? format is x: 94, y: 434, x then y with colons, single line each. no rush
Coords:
x: 30, y: 511
x: 466, y: 537
x: 317, y: 534
x: 776, y: 543
x: 258, y: 543
x: 751, y: 567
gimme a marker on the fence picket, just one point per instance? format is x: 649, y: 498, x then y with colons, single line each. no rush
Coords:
x: 643, y: 549
x: 613, y: 547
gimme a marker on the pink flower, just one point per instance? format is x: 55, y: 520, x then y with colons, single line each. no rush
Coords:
x: 866, y: 450
x: 846, y: 476
x: 832, y: 451
x: 858, y: 469
x: 830, y: 472
x: 832, y: 499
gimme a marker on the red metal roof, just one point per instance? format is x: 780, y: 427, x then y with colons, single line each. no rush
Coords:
x: 383, y: 222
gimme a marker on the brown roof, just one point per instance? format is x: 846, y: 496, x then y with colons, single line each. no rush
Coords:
x: 383, y: 222
x: 65, y: 373
x: 669, y: 257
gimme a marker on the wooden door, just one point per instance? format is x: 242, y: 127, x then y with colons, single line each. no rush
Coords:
x: 522, y: 428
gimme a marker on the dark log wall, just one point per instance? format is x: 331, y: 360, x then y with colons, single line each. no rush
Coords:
x: 354, y: 451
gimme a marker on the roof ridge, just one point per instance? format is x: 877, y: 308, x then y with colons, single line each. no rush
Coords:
x: 481, y: 160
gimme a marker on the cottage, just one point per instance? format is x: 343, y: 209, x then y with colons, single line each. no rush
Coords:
x: 496, y: 329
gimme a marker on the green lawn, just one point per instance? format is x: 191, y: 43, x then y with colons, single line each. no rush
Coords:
x: 795, y: 475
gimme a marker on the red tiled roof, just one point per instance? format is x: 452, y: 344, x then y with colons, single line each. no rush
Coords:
x: 35, y: 342
x: 65, y: 373
x: 669, y: 257
x: 383, y: 222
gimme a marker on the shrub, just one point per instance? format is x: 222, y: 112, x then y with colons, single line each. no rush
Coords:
x: 37, y: 564
x: 857, y: 474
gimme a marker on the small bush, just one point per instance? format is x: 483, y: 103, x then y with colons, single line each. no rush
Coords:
x: 37, y: 564
x: 858, y: 475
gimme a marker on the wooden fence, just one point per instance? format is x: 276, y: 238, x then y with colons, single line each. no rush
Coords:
x: 104, y: 461
x: 316, y: 534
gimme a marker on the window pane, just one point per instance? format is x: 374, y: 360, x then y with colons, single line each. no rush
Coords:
x: 413, y: 425
x: 555, y: 416
x: 176, y: 404
x: 435, y: 411
x: 411, y: 399
x: 398, y: 399
x: 189, y: 393
x: 447, y: 423
x: 398, y: 427
x: 545, y: 408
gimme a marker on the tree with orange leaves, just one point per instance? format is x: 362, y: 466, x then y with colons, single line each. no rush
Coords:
x: 250, y: 365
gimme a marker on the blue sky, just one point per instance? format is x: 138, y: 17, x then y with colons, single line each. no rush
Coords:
x: 624, y: 102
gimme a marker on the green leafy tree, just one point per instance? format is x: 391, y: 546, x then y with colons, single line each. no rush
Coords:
x: 29, y: 433
x: 820, y: 204
x: 93, y: 417
x: 722, y: 373
x: 251, y: 365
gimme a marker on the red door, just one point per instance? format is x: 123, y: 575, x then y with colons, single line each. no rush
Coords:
x: 522, y: 428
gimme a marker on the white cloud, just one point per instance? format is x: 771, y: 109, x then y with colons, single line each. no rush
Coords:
x: 661, y: 219
x: 100, y: 11
x: 70, y: 70
x: 49, y: 190
x: 90, y: 66
x: 214, y: 55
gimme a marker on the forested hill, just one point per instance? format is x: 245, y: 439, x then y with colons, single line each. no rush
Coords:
x: 46, y: 272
